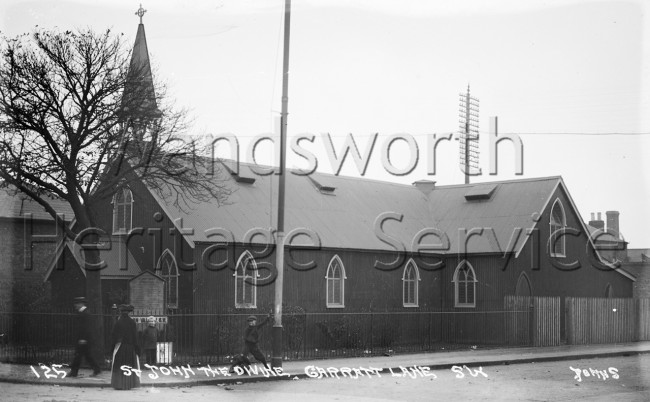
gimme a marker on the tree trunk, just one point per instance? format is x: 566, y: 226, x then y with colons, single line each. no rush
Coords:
x: 89, y: 240
x: 94, y: 297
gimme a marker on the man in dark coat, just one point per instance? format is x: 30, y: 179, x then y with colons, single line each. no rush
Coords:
x: 251, y: 339
x: 83, y: 329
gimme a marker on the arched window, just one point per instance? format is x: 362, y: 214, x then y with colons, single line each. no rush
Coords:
x: 464, y: 285
x: 246, y: 281
x: 523, y: 286
x: 335, y: 283
x: 557, y: 224
x: 122, y: 211
x: 169, y: 272
x: 609, y: 291
x: 410, y: 279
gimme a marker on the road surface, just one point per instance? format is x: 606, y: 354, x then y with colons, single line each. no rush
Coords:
x: 619, y: 378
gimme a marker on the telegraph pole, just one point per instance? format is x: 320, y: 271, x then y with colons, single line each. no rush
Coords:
x: 468, y: 126
x: 277, y: 352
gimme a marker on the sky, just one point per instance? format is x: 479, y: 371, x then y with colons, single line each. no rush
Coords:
x: 571, y: 79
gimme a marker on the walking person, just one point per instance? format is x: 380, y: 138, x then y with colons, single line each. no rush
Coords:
x: 150, y: 341
x: 83, y: 330
x: 125, y: 351
x: 251, y: 339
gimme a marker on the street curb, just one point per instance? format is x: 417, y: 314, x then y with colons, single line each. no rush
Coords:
x: 250, y: 379
x: 541, y: 359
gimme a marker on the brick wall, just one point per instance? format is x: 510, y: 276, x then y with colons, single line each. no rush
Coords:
x: 23, y: 264
x: 7, y: 248
x: 642, y: 284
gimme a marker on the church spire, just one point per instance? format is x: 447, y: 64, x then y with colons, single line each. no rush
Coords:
x: 139, y: 99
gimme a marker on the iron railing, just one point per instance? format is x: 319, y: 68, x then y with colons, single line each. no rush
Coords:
x: 197, y: 338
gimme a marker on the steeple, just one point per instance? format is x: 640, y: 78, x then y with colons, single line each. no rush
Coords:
x: 139, y: 99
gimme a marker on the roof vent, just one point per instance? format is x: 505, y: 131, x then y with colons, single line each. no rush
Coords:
x: 322, y: 186
x: 426, y: 186
x: 239, y: 178
x: 480, y: 192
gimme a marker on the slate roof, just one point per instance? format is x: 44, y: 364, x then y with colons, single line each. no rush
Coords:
x: 17, y: 205
x: 637, y: 255
x: 345, y: 217
x: 637, y: 262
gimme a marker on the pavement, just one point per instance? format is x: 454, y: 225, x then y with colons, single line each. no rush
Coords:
x: 396, y: 365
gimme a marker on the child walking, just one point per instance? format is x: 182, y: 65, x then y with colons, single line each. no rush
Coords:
x: 251, y: 339
x: 150, y: 341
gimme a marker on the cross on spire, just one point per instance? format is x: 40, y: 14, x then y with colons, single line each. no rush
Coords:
x: 140, y: 12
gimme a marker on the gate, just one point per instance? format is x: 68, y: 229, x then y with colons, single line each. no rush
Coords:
x: 532, y: 321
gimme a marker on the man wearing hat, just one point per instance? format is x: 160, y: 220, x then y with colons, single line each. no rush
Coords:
x: 251, y: 339
x: 83, y: 328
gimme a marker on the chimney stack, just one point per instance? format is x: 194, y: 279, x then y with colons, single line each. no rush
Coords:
x: 612, y: 223
x: 597, y: 223
x: 426, y: 186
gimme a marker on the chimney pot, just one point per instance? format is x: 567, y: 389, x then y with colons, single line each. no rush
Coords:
x: 597, y: 223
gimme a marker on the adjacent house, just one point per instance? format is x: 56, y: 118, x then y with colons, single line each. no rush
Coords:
x: 28, y: 237
x: 613, y: 248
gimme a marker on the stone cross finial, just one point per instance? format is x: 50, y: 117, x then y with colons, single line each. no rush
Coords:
x: 140, y: 12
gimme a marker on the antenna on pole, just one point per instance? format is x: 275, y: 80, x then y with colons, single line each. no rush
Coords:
x: 468, y: 128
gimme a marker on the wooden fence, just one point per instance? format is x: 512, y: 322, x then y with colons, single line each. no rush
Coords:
x: 533, y: 321
x: 599, y: 320
x: 643, y: 319
x: 536, y: 321
x: 518, y: 321
x: 546, y: 321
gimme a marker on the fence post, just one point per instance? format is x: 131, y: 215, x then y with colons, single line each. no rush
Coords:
x: 371, y: 334
x: 568, y: 321
x: 304, y: 337
x: 637, y: 318
x: 430, y: 319
x: 532, y: 328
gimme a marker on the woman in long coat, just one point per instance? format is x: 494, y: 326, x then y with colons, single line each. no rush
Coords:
x: 126, y: 351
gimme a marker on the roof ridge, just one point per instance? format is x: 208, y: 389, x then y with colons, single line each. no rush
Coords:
x: 506, y: 181
x: 362, y: 178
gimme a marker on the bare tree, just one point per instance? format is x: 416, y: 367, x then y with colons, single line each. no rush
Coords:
x: 78, y: 121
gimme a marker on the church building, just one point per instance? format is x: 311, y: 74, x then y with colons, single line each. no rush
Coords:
x: 353, y: 246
